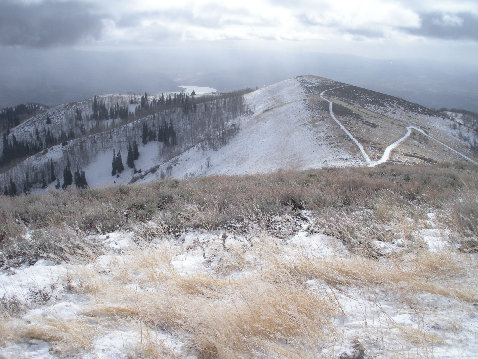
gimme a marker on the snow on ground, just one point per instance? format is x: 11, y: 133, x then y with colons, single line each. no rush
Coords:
x: 199, y: 90
x: 439, y: 127
x: 277, y: 136
x: 386, y: 324
x: 26, y: 283
x: 98, y: 172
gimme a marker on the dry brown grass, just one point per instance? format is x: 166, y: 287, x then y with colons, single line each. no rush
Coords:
x: 65, y: 335
x: 425, y: 272
x: 4, y: 330
x: 257, y: 301
x: 269, y: 309
x: 215, y: 201
x: 150, y: 346
x: 237, y: 201
x: 227, y: 318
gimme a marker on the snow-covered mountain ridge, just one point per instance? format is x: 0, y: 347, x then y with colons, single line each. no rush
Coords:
x: 300, y: 123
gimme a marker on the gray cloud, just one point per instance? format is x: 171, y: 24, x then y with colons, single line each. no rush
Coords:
x: 209, y: 17
x: 447, y: 26
x: 358, y: 32
x: 49, y: 23
x: 365, y: 33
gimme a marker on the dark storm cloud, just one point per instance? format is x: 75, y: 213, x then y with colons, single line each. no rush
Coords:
x: 461, y: 26
x: 49, y: 23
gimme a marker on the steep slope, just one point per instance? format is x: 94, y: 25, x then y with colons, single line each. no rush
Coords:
x: 82, y: 137
x: 312, y: 122
x: 279, y: 134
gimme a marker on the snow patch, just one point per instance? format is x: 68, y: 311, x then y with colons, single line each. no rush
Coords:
x: 23, y: 283
x: 199, y: 90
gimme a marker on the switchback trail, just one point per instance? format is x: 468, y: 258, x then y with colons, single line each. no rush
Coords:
x: 359, y: 145
x: 388, y: 150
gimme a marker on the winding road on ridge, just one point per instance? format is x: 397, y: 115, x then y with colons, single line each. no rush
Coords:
x: 388, y: 150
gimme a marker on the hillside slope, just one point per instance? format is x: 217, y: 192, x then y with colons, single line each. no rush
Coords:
x: 300, y: 123
x: 279, y: 134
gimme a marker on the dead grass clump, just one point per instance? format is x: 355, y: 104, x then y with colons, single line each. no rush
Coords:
x: 465, y: 214
x: 419, y: 336
x: 7, y: 333
x: 424, y: 273
x: 10, y: 306
x: 9, y: 227
x: 224, y: 318
x: 65, y: 335
x: 55, y: 243
x: 265, y: 314
x: 150, y: 346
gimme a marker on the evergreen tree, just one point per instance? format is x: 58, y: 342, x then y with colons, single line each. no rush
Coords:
x: 13, y: 188
x: 43, y: 181
x: 145, y: 134
x: 114, y: 164
x: 135, y: 151
x: 144, y: 101
x: 172, y: 135
x: 6, y: 148
x: 57, y: 186
x: 52, y: 172
x: 83, y: 183
x: 130, y: 157
x: 119, y: 163
x: 76, y: 179
x: 67, y: 175
x: 95, y: 108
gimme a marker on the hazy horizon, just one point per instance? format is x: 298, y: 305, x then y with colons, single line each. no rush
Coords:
x: 60, y: 51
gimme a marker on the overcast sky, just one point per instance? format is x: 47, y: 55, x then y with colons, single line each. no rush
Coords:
x: 124, y: 41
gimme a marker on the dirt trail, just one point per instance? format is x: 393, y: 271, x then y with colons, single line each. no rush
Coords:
x: 386, y: 154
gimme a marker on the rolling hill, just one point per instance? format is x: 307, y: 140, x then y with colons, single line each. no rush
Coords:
x: 300, y: 123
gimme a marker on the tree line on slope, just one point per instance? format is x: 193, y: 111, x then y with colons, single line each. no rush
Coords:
x: 100, y: 117
x: 195, y: 121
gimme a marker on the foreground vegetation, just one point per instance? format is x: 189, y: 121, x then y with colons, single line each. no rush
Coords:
x: 320, y: 263
x: 352, y: 203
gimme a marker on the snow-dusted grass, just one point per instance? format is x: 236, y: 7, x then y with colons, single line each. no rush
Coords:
x: 222, y: 295
x: 213, y: 202
x: 290, y: 264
